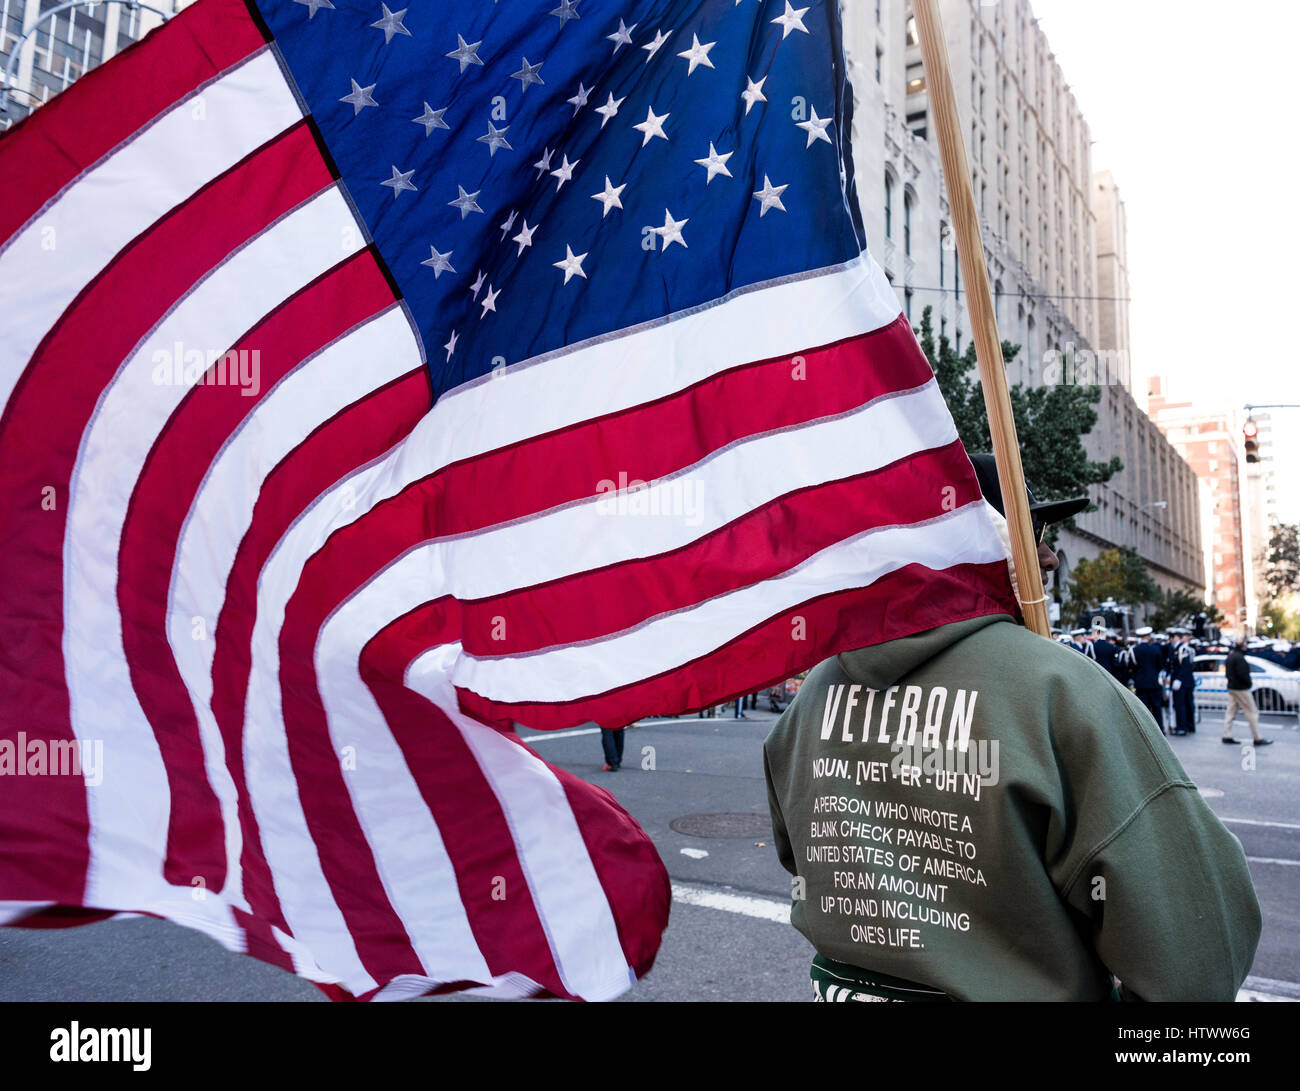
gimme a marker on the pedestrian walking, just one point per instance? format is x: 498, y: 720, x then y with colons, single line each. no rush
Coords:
x: 1240, y: 699
x: 611, y: 741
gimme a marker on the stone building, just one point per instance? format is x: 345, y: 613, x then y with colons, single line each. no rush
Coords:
x: 1054, y: 239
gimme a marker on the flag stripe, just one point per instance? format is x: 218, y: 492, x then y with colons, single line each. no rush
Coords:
x: 912, y: 599
x: 91, y: 118
x: 766, y: 541
x: 103, y: 210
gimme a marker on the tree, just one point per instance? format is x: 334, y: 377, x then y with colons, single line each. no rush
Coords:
x: 1279, y: 619
x: 1282, y: 561
x: 1051, y: 420
x: 1118, y: 574
x: 1171, y: 607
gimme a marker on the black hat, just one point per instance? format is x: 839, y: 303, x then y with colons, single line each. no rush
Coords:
x: 1040, y: 512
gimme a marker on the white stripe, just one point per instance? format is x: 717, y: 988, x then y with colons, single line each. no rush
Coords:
x: 567, y: 673
x: 570, y: 901
x: 63, y: 248
x: 1259, y: 822
x: 561, y: 734
x: 764, y: 909
x: 128, y: 822
x: 1273, y: 860
x: 367, y: 357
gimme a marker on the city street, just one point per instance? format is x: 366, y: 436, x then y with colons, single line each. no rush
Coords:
x: 728, y: 938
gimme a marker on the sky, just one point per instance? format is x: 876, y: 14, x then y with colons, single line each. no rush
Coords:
x: 1192, y: 107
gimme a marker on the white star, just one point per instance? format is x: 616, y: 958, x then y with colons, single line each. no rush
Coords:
x: 450, y: 346
x: 525, y: 237
x: 610, y: 197
x: 509, y: 223
x: 609, y: 109
x: 567, y: 10
x: 527, y: 75
x: 391, y: 23
x: 477, y: 286
x: 652, y: 126
x: 360, y: 97
x: 544, y: 164
x: 465, y: 53
x: 314, y: 5
x: 572, y: 265
x: 790, y: 20
x: 400, y: 181
x: 565, y: 173
x: 466, y: 202
x: 753, y: 93
x: 770, y: 195
x: 432, y: 119
x: 495, y: 138
x: 816, y: 128
x: 656, y: 45
x: 490, y: 301
x: 439, y: 263
x: 580, y: 99
x: 697, y: 54
x: 620, y: 37
x: 671, y: 231
x: 715, y: 163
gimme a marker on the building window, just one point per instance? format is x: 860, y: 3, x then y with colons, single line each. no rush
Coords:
x: 880, y: 53
x: 915, y: 79
x: 878, y: 12
x: 912, y: 39
x: 907, y: 302
x: 943, y: 238
x: 907, y: 224
x: 889, y: 206
x: 943, y: 330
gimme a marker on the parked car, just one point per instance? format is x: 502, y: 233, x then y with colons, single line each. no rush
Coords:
x: 1276, y: 689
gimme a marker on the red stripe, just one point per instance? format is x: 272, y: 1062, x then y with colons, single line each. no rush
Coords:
x: 761, y: 544
x: 204, y: 420
x: 353, y: 438
x: 50, y: 147
x: 909, y: 600
x: 467, y: 812
x: 47, y: 413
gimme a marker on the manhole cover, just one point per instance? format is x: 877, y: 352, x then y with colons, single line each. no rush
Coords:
x: 723, y: 825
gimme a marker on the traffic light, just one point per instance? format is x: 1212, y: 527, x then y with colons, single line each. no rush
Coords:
x: 1251, y: 433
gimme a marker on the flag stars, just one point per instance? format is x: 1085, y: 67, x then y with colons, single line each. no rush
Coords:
x: 567, y: 10
x: 391, y: 23
x: 431, y: 119
x: 652, y: 126
x: 313, y: 6
x: 620, y: 37
x: 610, y: 110
x: 360, y: 97
x: 653, y: 47
x: 572, y: 265
x: 450, y: 346
x: 753, y: 93
x: 490, y: 301
x: 697, y: 55
x: 565, y: 172
x: 466, y: 202
x: 495, y: 138
x: 580, y: 99
x: 525, y: 237
x: 399, y: 182
x: 791, y: 20
x: 715, y: 164
x: 439, y: 263
x: 477, y: 286
x: 465, y: 53
x: 770, y: 196
x: 508, y: 224
x: 544, y: 164
x: 610, y: 197
x: 816, y: 128
x: 527, y: 75
x: 671, y: 231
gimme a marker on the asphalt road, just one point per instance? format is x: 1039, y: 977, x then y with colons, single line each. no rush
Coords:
x: 726, y: 939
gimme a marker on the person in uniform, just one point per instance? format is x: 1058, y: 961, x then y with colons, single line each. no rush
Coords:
x: 976, y: 813
x: 1104, y: 651
x: 1148, y: 662
x: 1184, y: 684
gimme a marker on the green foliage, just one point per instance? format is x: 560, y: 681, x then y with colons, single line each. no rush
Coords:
x: 1279, y: 619
x: 1118, y: 574
x: 1282, y: 561
x: 1051, y: 421
x: 1173, y: 608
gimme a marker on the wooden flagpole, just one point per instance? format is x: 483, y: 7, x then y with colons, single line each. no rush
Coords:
x: 983, y: 318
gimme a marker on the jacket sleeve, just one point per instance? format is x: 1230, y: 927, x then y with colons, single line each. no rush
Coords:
x: 1171, y: 902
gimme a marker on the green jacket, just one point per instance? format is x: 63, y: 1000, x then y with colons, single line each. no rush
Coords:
x: 988, y: 813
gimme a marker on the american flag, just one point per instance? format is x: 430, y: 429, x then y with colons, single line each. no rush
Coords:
x: 378, y: 381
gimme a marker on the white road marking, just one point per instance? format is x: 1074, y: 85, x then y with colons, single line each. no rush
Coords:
x: 747, y: 905
x: 1259, y: 822
x: 695, y: 854
x: 1273, y: 860
x: 561, y: 734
